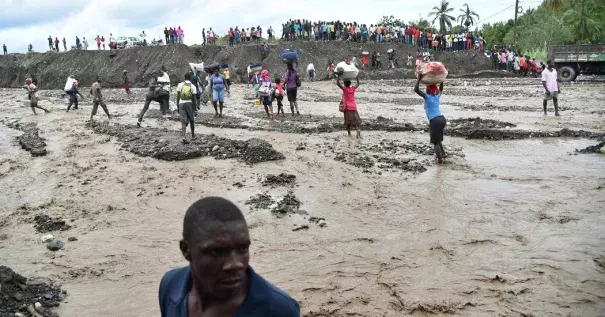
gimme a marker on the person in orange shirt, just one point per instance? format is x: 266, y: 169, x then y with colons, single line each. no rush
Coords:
x: 364, y: 61
x: 378, y: 34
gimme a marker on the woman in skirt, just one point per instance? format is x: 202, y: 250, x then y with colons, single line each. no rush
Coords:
x: 349, y: 106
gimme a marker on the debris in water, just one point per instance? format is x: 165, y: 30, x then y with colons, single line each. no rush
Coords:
x: 260, y: 201
x: 30, y: 140
x: 279, y: 180
x: 55, y: 245
x: 288, y: 204
x: 46, y: 223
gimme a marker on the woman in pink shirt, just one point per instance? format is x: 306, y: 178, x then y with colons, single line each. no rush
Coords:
x: 180, y: 35
x: 349, y: 106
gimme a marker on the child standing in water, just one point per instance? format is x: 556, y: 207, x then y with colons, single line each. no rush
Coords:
x: 279, y: 95
x: 350, y: 106
x: 433, y: 113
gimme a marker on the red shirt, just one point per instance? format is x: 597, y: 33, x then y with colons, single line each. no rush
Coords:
x: 348, y: 98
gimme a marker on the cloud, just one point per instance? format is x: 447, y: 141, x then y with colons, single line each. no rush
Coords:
x: 31, y: 21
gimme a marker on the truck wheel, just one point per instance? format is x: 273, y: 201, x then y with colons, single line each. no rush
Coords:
x: 567, y: 74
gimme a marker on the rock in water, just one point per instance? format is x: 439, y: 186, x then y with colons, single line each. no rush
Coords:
x: 55, y: 245
x: 47, y: 238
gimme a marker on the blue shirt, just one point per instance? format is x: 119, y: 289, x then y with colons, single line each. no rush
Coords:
x: 217, y: 81
x: 431, y: 105
x: 263, y: 299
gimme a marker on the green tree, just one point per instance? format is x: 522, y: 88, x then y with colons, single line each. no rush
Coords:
x: 584, y: 17
x: 441, y: 13
x: 390, y: 20
x: 553, y: 6
x: 468, y: 17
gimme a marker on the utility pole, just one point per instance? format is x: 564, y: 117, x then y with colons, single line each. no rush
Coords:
x: 515, y: 29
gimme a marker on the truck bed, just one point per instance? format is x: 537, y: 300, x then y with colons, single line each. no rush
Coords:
x: 579, y: 53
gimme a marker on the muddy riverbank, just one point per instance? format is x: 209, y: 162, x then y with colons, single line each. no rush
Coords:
x: 510, y: 225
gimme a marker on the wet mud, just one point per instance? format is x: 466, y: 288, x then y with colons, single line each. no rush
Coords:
x: 30, y: 140
x: 598, y: 148
x: 282, y: 179
x: 45, y: 223
x: 169, y: 146
x: 20, y: 295
x: 509, y: 225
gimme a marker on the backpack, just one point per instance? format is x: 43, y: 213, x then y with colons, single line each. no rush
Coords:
x: 185, y: 93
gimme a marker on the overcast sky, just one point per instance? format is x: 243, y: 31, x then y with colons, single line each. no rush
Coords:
x: 32, y: 21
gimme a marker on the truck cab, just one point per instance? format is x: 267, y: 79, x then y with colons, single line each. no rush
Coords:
x: 573, y: 60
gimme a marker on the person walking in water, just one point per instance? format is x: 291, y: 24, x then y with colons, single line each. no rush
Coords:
x: 95, y: 91
x: 292, y: 80
x: 156, y: 93
x: 34, y: 95
x: 349, y: 106
x: 218, y: 85
x: 185, y: 102
x: 126, y: 83
x: 73, y: 94
x: 437, y: 121
x: 551, y: 87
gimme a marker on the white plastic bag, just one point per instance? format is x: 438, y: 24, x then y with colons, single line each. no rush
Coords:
x: 346, y: 71
x: 198, y: 66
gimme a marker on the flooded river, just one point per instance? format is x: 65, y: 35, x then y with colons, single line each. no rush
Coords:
x: 503, y: 228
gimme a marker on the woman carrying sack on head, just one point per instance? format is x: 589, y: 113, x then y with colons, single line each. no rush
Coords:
x: 348, y: 105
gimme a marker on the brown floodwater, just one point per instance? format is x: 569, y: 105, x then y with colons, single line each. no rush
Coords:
x: 504, y: 228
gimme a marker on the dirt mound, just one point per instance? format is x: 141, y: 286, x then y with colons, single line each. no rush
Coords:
x: 168, y: 145
x: 17, y: 295
x: 260, y: 201
x: 30, y: 140
x: 51, y: 69
x: 288, y: 205
x: 282, y: 179
x: 45, y: 223
x: 593, y: 149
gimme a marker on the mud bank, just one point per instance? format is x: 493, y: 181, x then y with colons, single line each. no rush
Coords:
x: 28, y: 297
x: 30, y: 140
x: 168, y: 145
x: 51, y: 68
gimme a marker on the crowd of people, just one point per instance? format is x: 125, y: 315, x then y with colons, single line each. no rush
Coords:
x: 254, y: 35
x: 506, y: 59
x: 379, y: 33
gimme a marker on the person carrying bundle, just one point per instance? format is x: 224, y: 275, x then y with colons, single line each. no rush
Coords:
x: 431, y: 74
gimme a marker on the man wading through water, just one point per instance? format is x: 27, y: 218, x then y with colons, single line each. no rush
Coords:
x: 126, y: 83
x: 551, y: 85
x: 186, y: 103
x: 34, y: 95
x: 219, y: 280
x: 436, y: 120
x: 156, y: 93
x: 95, y: 91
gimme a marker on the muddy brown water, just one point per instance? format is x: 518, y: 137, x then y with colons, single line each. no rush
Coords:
x: 504, y: 228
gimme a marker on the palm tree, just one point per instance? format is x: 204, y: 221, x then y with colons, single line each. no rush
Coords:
x: 586, y: 26
x: 552, y: 5
x: 468, y: 17
x: 441, y: 13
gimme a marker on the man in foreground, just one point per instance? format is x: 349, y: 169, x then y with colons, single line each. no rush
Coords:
x: 551, y: 85
x: 218, y: 280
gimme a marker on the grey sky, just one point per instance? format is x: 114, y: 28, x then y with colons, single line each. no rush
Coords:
x: 32, y: 21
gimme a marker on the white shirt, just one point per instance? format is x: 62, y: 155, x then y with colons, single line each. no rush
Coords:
x: 310, y: 67
x: 111, y: 39
x: 550, y: 77
x: 164, y: 80
x: 179, y: 87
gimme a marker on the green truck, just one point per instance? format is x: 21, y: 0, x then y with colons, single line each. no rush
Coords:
x: 572, y: 60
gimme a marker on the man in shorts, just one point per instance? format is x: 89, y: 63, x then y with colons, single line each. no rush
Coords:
x: 186, y: 103
x: 34, y: 95
x: 97, y: 100
x: 551, y: 87
x: 437, y: 121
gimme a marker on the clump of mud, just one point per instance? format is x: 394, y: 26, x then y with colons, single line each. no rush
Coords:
x: 260, y: 201
x: 282, y: 179
x: 592, y: 149
x: 17, y: 295
x: 45, y: 223
x: 167, y: 145
x: 287, y: 205
x: 477, y: 128
x: 30, y: 140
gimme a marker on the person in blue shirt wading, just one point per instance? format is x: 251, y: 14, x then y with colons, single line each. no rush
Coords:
x: 218, y: 85
x: 436, y: 120
x: 218, y: 280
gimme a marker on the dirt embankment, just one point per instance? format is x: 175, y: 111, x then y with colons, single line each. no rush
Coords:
x: 51, y: 68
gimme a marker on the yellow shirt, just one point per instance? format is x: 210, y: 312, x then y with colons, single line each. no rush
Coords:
x: 331, y: 27
x: 226, y: 73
